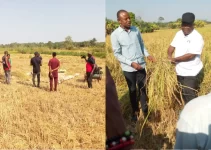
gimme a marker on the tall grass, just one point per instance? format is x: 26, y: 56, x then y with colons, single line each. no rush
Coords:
x: 164, y: 94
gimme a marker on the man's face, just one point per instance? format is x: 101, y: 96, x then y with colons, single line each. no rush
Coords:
x: 124, y: 20
x: 186, y: 28
x: 89, y: 55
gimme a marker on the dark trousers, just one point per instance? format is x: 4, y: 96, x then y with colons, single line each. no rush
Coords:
x: 89, y: 79
x: 55, y: 79
x: 139, y: 78
x: 7, y: 76
x: 190, y: 86
x: 38, y: 79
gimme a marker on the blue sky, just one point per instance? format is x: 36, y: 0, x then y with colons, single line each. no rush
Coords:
x: 151, y: 10
x: 51, y: 20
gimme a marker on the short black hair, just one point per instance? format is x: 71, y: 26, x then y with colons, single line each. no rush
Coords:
x: 35, y: 53
x: 54, y: 54
x: 119, y: 12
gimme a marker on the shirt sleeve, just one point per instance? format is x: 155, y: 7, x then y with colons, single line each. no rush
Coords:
x: 118, y: 51
x: 196, y: 46
x: 141, y: 41
x: 174, y: 41
x: 49, y: 63
x: 91, y: 60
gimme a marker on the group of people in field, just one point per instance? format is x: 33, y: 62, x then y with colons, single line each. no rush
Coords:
x: 194, y: 124
x: 36, y: 63
x: 54, y: 65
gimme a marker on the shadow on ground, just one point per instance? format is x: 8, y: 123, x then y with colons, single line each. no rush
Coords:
x: 75, y: 85
x: 80, y: 80
x: 30, y: 85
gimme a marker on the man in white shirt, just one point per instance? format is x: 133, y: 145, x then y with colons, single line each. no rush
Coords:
x: 194, y: 125
x: 187, y: 44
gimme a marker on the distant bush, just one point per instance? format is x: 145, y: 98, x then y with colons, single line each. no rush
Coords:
x: 100, y: 54
x: 177, y: 24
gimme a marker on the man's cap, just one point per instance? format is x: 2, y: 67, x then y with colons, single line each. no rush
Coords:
x: 188, y: 18
x: 89, y: 52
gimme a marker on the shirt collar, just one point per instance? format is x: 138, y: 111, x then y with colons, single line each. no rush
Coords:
x: 189, y: 34
x: 121, y: 29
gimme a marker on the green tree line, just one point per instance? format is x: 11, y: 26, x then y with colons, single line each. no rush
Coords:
x: 67, y: 44
x: 145, y: 27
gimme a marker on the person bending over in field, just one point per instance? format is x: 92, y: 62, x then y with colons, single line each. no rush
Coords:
x: 36, y: 63
x: 194, y: 124
x: 187, y: 44
x: 54, y: 65
x: 117, y: 136
x: 129, y: 49
x: 6, y: 67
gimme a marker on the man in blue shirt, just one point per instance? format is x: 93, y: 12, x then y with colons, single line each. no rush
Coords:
x: 129, y: 49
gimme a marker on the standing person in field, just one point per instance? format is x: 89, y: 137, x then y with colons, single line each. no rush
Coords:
x: 90, y: 67
x: 36, y: 63
x: 54, y: 65
x: 6, y: 67
x: 187, y: 44
x: 129, y: 49
x: 194, y: 125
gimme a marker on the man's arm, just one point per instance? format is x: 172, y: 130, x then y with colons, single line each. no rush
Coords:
x: 145, y: 52
x: 141, y: 41
x: 6, y: 59
x: 194, y: 50
x: 170, y: 51
x: 50, y: 69
x: 117, y: 53
x: 40, y: 61
x: 172, y: 47
x: 49, y: 64
x: 85, y: 59
x: 93, y: 68
x: 184, y: 58
x: 118, y: 50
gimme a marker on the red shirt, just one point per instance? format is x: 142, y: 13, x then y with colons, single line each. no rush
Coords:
x: 6, y: 68
x: 54, y: 63
x: 89, y: 67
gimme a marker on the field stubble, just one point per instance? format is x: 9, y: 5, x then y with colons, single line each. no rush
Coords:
x: 72, y: 117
